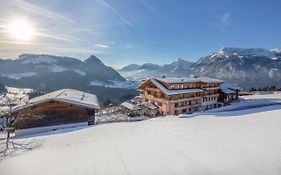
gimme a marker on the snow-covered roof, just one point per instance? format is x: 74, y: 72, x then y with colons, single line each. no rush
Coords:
x: 70, y: 96
x: 149, y: 105
x: 189, y: 80
x: 229, y: 86
x: 173, y: 92
x: 227, y: 91
x: 14, y: 90
x: 130, y: 106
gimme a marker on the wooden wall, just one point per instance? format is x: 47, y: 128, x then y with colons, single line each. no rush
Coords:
x: 52, y: 113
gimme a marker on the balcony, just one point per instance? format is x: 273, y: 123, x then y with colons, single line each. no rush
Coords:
x: 153, y: 98
x: 210, y: 95
x: 152, y: 89
x: 211, y: 88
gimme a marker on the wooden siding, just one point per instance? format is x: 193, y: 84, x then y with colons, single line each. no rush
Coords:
x: 53, y: 113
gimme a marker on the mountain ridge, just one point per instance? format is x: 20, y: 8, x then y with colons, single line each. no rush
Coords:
x: 45, y: 72
x: 245, y: 67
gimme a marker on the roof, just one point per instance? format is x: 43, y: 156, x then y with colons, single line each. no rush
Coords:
x: 176, y: 91
x: 14, y: 90
x: 190, y: 80
x: 227, y: 91
x: 149, y: 105
x: 70, y: 96
x: 130, y: 106
x: 229, y: 86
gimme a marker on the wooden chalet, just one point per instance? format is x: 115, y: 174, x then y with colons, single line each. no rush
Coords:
x: 59, y: 108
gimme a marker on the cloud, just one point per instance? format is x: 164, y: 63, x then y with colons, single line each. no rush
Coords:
x: 28, y: 7
x: 147, y: 5
x: 225, y: 18
x: 222, y: 22
x: 102, y: 46
x: 123, y: 22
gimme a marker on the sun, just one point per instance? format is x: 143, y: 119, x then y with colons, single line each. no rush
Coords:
x: 20, y: 30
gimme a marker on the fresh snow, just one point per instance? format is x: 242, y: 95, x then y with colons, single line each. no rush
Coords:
x: 234, y: 142
x: 18, y: 76
x: 69, y: 96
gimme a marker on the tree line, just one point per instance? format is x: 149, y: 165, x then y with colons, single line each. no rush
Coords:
x: 267, y: 88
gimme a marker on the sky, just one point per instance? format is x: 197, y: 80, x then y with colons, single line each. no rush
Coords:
x: 121, y: 32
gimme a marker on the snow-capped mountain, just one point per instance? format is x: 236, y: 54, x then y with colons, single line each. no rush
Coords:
x: 48, y: 72
x: 136, y: 72
x: 251, y: 67
x: 245, y: 67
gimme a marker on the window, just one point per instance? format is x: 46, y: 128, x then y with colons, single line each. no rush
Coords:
x: 176, y: 104
x: 184, y: 111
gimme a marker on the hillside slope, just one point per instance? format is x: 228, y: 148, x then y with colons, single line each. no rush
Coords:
x: 208, y: 144
x: 48, y: 73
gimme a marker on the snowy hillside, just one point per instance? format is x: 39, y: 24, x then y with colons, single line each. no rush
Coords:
x: 234, y: 142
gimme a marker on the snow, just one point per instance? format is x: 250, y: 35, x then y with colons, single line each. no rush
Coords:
x: 57, y: 68
x: 149, y: 105
x: 173, y: 92
x: 68, y: 96
x: 18, y: 76
x: 130, y: 106
x: 241, y: 52
x: 14, y: 90
x: 14, y: 96
x: 239, y: 142
x: 228, y: 91
x: 37, y: 60
x: 206, y: 145
x: 80, y: 72
x: 189, y: 79
x: 278, y: 50
x: 229, y: 86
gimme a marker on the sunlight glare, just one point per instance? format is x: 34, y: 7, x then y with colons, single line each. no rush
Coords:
x: 21, y: 30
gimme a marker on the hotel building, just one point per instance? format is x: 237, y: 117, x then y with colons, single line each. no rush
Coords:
x: 178, y: 95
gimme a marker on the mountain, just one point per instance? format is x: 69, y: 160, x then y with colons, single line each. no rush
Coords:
x: 250, y: 67
x: 245, y: 67
x: 48, y: 72
x: 137, y: 72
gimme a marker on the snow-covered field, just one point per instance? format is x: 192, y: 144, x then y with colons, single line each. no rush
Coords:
x: 234, y: 142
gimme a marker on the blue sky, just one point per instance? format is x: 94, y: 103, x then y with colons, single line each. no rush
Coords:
x: 137, y: 31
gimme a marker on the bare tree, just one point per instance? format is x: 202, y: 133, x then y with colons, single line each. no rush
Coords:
x: 9, y: 101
